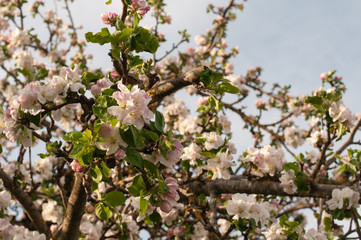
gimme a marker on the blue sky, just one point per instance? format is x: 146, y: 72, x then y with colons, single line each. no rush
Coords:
x: 293, y: 41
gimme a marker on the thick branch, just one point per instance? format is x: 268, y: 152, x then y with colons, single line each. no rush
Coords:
x: 25, y: 200
x: 75, y: 210
x: 240, y: 184
x: 168, y: 87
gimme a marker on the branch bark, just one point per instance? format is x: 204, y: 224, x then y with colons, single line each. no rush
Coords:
x: 75, y: 210
x: 240, y: 184
x: 165, y: 88
x: 25, y: 200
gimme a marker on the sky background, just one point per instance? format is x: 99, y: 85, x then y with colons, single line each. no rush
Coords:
x: 293, y: 41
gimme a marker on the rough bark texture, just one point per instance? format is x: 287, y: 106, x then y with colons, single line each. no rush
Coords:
x: 75, y: 210
x: 239, y: 184
x: 168, y: 87
x: 25, y: 200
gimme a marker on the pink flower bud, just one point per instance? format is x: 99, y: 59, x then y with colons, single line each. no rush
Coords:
x: 166, y: 206
x: 76, y: 166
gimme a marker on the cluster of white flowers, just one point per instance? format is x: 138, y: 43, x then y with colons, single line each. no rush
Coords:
x: 294, y: 136
x: 18, y: 38
x: 340, y: 113
x: 52, y: 211
x: 345, y: 198
x: 317, y: 137
x: 220, y: 165
x: 192, y: 153
x: 24, y: 59
x: 243, y: 206
x: 132, y: 106
x: 275, y: 232
x: 45, y: 167
x: 15, y: 232
x: 175, y: 110
x: 213, y: 140
x: 5, y: 199
x: 287, y: 181
x: 267, y: 159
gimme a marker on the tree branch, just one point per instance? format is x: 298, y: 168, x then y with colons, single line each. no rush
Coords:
x: 240, y: 184
x: 168, y: 87
x: 75, y: 210
x: 25, y: 200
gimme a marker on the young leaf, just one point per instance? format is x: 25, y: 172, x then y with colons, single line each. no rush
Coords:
x: 115, y: 198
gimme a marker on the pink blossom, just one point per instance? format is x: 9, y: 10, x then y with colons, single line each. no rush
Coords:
x: 109, y: 18
x: 76, y: 166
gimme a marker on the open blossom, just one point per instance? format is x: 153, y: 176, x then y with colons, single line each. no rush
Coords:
x: 132, y: 106
x: 220, y: 165
x: 192, y: 153
x: 267, y: 159
x: 243, y: 206
x: 287, y: 181
x: 52, y: 211
x: 275, y: 232
x: 5, y: 198
x: 213, y: 140
x: 294, y: 136
x: 113, y: 140
x: 101, y: 85
x: 317, y: 137
x: 313, y: 234
x: 19, y: 38
x: 200, y: 40
x: 29, y: 98
x: 339, y: 197
x: 339, y: 112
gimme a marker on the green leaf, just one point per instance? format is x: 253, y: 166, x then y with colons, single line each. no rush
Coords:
x: 137, y: 185
x: 210, y: 78
x: 105, y: 170
x: 143, y: 204
x: 159, y: 121
x: 153, y: 169
x: 314, y: 101
x: 41, y: 74
x: 301, y: 182
x: 134, y: 157
x: 133, y: 137
x: 76, y: 150
x: 292, y: 165
x: 136, y: 20
x: 85, y: 159
x: 34, y: 118
x: 119, y: 25
x: 102, y: 211
x: 227, y: 87
x: 151, y: 135
x: 143, y: 41
x: 122, y: 36
x: 100, y: 107
x: 108, y: 2
x: 155, y: 217
x: 101, y: 37
x: 115, y: 198
x: 73, y: 136
x: 96, y: 174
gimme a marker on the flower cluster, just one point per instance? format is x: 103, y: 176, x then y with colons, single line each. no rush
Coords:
x: 288, y: 181
x: 132, y: 106
x: 170, y: 198
x: 243, y: 206
x: 345, y: 198
x: 267, y: 160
